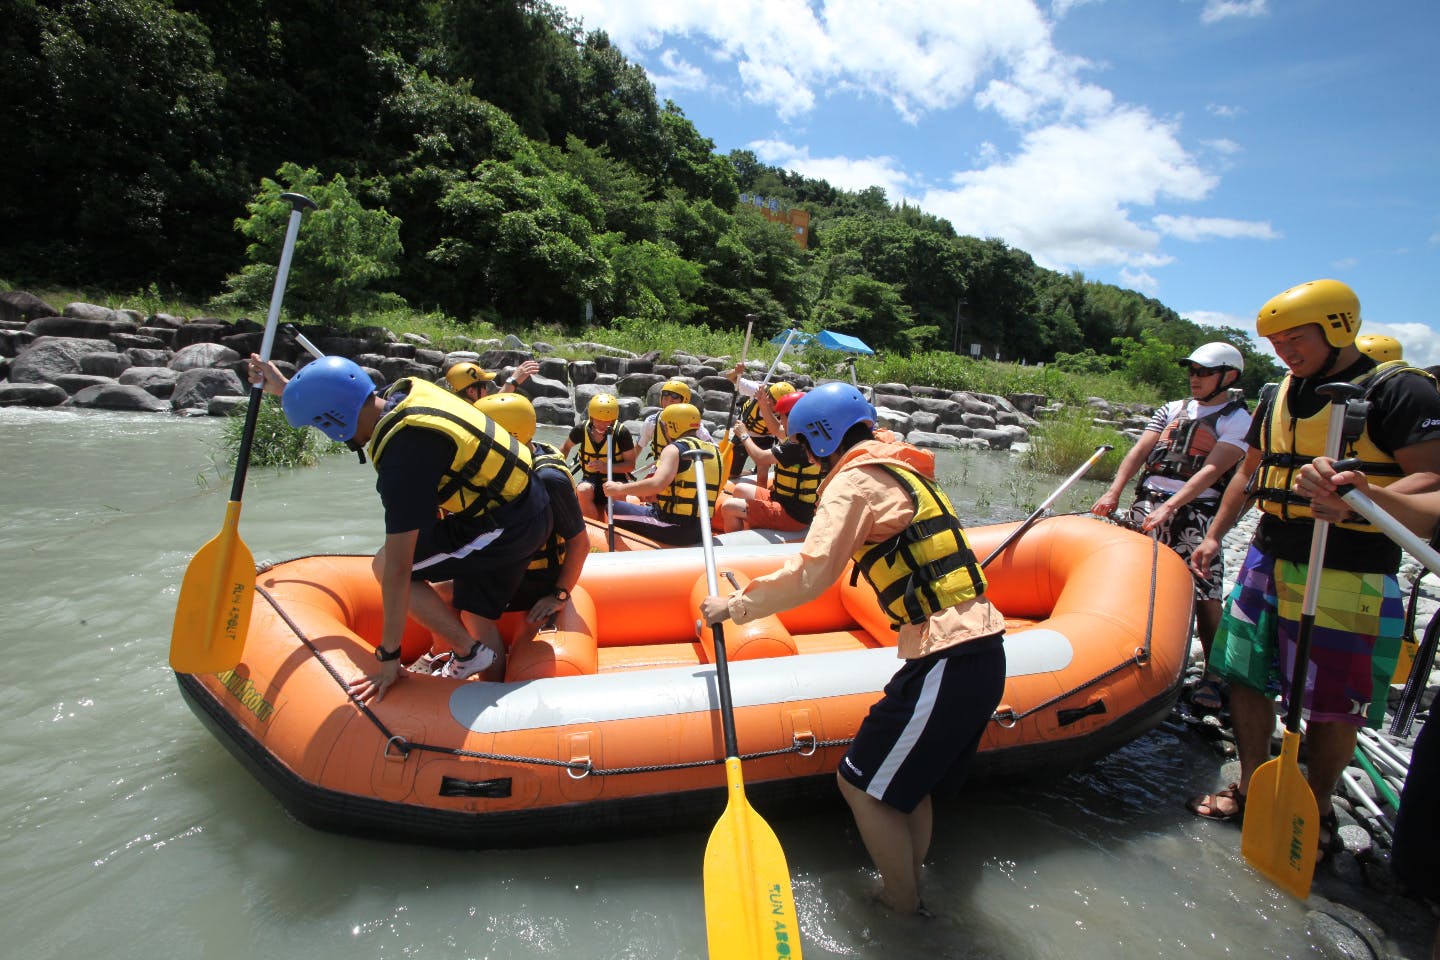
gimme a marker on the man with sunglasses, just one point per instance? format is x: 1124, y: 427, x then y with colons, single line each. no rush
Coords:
x: 1184, y: 458
x: 671, y: 392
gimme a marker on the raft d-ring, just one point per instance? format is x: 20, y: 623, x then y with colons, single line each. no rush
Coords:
x: 1141, y: 655
x: 400, y: 744
x: 1006, y: 718
x: 585, y: 771
x: 809, y: 741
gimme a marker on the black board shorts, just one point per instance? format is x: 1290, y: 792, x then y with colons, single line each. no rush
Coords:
x: 486, y: 559
x: 921, y: 735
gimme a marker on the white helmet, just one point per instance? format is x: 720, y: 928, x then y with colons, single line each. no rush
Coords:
x: 1215, y: 355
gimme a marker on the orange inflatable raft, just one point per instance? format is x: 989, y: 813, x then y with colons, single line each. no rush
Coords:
x: 609, y: 721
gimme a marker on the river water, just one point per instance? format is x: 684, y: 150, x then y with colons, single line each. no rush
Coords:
x: 131, y: 833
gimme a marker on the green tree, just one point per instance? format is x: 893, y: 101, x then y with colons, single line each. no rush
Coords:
x: 522, y: 240
x: 342, y: 254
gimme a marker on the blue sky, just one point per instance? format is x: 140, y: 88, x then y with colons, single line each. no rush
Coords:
x: 1209, y: 153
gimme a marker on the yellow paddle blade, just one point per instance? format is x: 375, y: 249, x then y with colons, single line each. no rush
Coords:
x: 1281, y: 833
x: 749, y: 904
x: 212, y: 615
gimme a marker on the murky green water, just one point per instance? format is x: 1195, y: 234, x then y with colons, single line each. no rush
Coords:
x: 131, y: 833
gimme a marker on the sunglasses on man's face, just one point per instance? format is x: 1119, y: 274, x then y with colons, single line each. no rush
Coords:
x: 1203, y: 371
x: 670, y: 393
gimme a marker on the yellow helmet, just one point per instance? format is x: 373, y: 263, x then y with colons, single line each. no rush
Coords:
x: 603, y: 406
x: 677, y: 420
x: 1330, y: 303
x: 1379, y: 347
x: 778, y: 390
x: 513, y: 411
x: 466, y: 374
x: 678, y: 387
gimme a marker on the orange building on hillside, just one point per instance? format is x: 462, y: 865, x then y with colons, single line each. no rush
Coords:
x: 797, y: 220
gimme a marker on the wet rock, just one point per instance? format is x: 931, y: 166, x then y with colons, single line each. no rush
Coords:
x: 556, y: 411
x: 224, y: 406
x: 199, y: 356
x: 1343, y: 934
x: 157, y: 381
x: 194, y: 388
x: 118, y: 396
x: 48, y: 357
x: 31, y: 395
x: 539, y: 385
x: 939, y: 441
x: 73, y: 383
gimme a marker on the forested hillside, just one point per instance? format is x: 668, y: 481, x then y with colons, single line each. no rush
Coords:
x: 482, y: 158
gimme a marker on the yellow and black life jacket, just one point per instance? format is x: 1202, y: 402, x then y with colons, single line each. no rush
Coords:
x: 929, y: 565
x: 1185, y: 444
x: 797, y: 488
x: 677, y: 501
x: 546, y: 457
x: 1287, y: 443
x: 590, y: 449
x: 490, y: 469
x: 753, y: 419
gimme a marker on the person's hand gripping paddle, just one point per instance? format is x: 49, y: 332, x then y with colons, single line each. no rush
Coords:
x: 749, y: 901
x: 212, y: 615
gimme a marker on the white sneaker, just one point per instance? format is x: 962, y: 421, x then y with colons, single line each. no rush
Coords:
x: 462, y: 668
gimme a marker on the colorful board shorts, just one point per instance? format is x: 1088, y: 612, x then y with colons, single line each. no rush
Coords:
x: 1183, y: 534
x: 1359, y: 618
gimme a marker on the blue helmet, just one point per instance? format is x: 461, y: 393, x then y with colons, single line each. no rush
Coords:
x: 825, y: 413
x: 327, y: 394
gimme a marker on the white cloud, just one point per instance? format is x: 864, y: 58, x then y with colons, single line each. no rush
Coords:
x: 677, y: 75
x: 844, y: 172
x: 1345, y: 264
x: 1139, y: 280
x: 1224, y: 110
x: 1217, y: 10
x: 1058, y: 8
x: 1204, y: 228
x: 1066, y: 195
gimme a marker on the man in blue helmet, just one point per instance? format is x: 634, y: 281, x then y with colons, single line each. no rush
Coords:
x: 880, y: 506
x: 459, y: 505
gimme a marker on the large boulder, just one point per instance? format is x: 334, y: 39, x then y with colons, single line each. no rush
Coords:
x: 19, y: 306
x: 194, y: 388
x: 556, y: 411
x: 31, y: 395
x: 938, y: 441
x: 199, y: 356
x: 48, y: 357
x: 84, y: 327
x: 105, y: 364
x: 118, y: 396
x: 539, y: 385
x: 157, y: 381
x: 73, y: 383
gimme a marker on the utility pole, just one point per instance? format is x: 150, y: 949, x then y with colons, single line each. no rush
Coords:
x: 957, y: 329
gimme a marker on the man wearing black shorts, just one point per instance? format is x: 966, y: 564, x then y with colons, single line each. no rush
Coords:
x: 458, y: 498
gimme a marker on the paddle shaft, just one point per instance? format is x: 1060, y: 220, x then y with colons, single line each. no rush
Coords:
x: 1314, y: 568
x: 298, y: 205
x: 609, y: 477
x: 750, y: 319
x: 712, y: 583
x: 1084, y: 468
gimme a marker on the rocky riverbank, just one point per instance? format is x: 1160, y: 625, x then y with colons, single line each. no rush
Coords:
x: 1357, y: 910
x: 86, y: 355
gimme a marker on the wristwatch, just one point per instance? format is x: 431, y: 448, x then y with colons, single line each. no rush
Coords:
x: 562, y: 594
x: 385, y: 656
